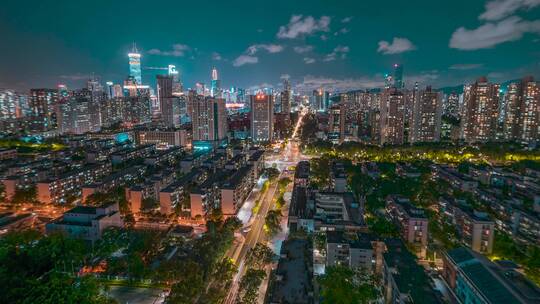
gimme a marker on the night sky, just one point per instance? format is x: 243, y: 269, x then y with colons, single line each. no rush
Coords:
x: 340, y: 44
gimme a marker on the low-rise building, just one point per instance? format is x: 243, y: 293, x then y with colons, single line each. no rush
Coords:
x: 87, y: 223
x: 475, y: 229
x: 339, y: 177
x: 475, y: 279
x: 454, y: 178
x: 412, y: 222
x: 236, y: 189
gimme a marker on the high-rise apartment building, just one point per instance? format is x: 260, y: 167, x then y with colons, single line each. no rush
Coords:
x: 398, y: 76
x: 392, y: 117
x: 480, y: 111
x: 209, y: 120
x: 262, y: 117
x: 336, y: 124
x: 41, y: 105
x: 426, y: 116
x: 522, y: 111
x: 286, y: 96
x: 9, y: 104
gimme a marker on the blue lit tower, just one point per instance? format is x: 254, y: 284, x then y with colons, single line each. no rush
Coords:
x: 215, y: 84
x: 398, y: 76
x: 135, y: 65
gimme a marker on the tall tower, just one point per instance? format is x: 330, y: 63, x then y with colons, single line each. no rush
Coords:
x: 135, y: 65
x: 286, y: 97
x: 398, y: 76
x: 392, y: 117
x: 209, y: 121
x: 215, y: 84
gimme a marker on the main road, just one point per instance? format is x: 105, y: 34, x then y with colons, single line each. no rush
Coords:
x: 290, y: 155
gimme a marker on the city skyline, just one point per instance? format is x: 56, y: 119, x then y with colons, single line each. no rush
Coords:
x: 344, y: 47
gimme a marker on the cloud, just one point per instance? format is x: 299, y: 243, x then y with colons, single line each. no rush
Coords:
x: 261, y: 86
x: 216, y: 56
x: 303, y: 49
x: 324, y: 37
x: 346, y: 19
x: 270, y: 48
x: 245, y: 59
x: 311, y: 83
x: 299, y: 26
x: 425, y: 77
x: 309, y: 60
x: 491, y: 34
x: 466, y: 66
x: 284, y: 76
x: 178, y: 50
x: 78, y: 76
x: 398, y: 45
x: 340, y: 51
x: 499, y: 9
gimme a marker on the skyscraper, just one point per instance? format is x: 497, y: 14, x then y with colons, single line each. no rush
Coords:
x: 480, y: 111
x: 336, y: 124
x: 41, y: 105
x: 215, y: 89
x: 522, y: 111
x: 177, y: 85
x: 135, y: 65
x: 392, y: 117
x: 398, y: 76
x: 286, y: 96
x: 426, y: 116
x: 262, y: 117
x: 8, y: 104
x: 209, y: 121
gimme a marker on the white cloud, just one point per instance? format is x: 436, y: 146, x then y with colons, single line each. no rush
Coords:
x: 311, y: 83
x: 491, y: 34
x: 261, y: 86
x: 216, y: 56
x: 245, y: 59
x: 270, y: 48
x: 178, y: 50
x: 299, y: 26
x: 466, y: 66
x: 340, y: 51
x: 324, y: 37
x: 77, y: 76
x: 309, y: 60
x: 284, y: 76
x: 303, y: 49
x: 398, y: 45
x: 346, y: 19
x: 499, y: 9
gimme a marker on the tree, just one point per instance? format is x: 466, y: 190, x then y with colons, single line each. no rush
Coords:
x: 188, y: 288
x: 338, y: 286
x: 24, y: 195
x: 249, y: 286
x: 259, y: 256
x: 271, y: 173
x: 272, y: 222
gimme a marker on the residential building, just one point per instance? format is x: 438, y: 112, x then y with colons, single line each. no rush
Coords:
x: 481, y: 111
x: 412, y: 222
x: 262, y: 118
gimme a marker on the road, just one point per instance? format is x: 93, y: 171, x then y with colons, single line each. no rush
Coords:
x: 290, y: 155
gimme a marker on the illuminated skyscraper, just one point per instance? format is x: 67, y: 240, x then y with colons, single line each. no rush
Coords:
x: 481, y: 111
x: 522, y: 115
x: 8, y: 104
x: 286, y: 96
x: 209, y: 121
x: 41, y: 104
x: 336, y: 125
x: 135, y: 65
x: 262, y: 117
x: 426, y: 116
x: 215, y: 84
x: 392, y: 117
x: 398, y: 76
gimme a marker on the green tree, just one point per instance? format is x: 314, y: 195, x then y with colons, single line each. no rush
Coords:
x: 338, y: 286
x: 272, y: 222
x: 259, y: 256
x: 249, y: 286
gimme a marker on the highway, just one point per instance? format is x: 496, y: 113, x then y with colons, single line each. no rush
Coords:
x: 290, y: 155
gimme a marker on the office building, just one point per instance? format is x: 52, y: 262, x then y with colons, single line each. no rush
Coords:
x: 215, y: 85
x: 480, y: 105
x: 135, y: 65
x: 262, y: 118
x: 398, y: 76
